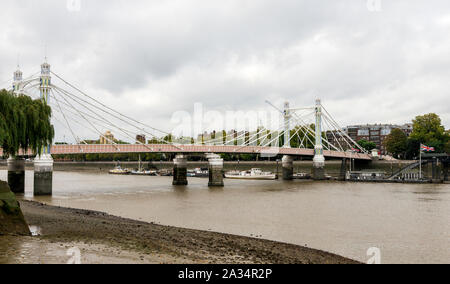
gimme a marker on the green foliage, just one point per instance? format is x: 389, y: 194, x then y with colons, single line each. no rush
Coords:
x: 447, y: 147
x: 396, y: 143
x: 428, y: 130
x: 412, y: 149
x: 366, y: 145
x: 24, y: 124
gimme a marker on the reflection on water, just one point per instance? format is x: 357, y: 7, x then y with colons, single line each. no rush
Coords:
x: 409, y: 223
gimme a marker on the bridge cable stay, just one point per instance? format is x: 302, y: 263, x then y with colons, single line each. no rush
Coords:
x: 77, y: 99
x: 279, y: 131
x: 282, y: 129
x: 327, y: 114
x: 106, y: 122
x: 86, y: 114
x: 312, y: 132
x: 299, y: 120
x: 62, y: 124
x: 83, y: 93
x: 333, y: 133
x: 65, y: 118
x: 333, y: 129
x: 92, y: 125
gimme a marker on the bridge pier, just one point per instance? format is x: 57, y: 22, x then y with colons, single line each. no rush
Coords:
x: 43, y: 175
x: 343, y: 172
x: 16, y: 175
x: 436, y: 172
x: 288, y: 167
x: 445, y: 170
x: 180, y: 170
x: 215, y: 171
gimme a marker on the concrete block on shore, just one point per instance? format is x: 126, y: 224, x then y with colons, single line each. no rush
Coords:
x: 12, y: 221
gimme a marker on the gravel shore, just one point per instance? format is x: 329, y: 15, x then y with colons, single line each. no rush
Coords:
x: 107, y: 239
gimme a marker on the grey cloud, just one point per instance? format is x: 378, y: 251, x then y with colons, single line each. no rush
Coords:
x: 236, y: 54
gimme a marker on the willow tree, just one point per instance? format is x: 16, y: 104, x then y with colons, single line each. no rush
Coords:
x: 24, y: 124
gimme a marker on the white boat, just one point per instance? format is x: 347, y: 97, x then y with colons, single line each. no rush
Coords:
x: 253, y: 174
x: 119, y: 171
x: 141, y: 172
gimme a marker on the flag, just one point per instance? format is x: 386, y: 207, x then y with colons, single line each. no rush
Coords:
x: 424, y: 148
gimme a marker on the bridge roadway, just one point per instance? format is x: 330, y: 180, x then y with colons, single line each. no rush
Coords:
x: 190, y: 149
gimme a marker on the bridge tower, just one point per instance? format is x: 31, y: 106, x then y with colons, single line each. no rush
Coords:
x: 45, y: 81
x: 15, y: 165
x: 287, y: 125
x: 287, y: 161
x: 17, y: 84
x: 319, y: 158
x: 43, y: 164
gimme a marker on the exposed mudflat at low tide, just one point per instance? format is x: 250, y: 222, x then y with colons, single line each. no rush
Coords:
x: 102, y: 238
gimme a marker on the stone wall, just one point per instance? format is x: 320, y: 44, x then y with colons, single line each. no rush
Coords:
x: 12, y: 221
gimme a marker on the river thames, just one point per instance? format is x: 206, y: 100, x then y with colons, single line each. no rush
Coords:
x: 409, y: 223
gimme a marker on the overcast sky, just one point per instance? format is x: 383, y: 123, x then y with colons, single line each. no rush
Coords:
x: 149, y: 59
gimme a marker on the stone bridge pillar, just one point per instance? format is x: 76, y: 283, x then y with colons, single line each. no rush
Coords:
x: 180, y: 170
x: 343, y: 172
x: 288, y: 167
x: 43, y: 175
x: 16, y: 175
x: 215, y: 171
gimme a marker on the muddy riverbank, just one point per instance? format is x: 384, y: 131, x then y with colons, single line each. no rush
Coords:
x: 103, y: 238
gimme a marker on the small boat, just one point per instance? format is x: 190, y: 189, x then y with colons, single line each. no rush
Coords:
x: 141, y: 172
x: 165, y: 173
x: 199, y: 173
x: 119, y: 171
x: 253, y: 174
x: 302, y: 176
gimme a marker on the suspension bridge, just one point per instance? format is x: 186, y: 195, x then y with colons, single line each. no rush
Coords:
x: 77, y: 111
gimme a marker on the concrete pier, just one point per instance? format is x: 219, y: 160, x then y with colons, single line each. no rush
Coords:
x: 215, y: 171
x: 343, y: 172
x: 288, y: 167
x: 180, y: 170
x: 43, y: 175
x: 436, y: 172
x: 16, y: 175
x: 445, y: 171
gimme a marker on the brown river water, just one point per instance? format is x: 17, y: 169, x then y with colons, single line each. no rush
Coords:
x: 409, y: 223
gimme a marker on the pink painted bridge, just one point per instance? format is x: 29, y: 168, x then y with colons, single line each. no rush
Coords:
x: 191, y: 149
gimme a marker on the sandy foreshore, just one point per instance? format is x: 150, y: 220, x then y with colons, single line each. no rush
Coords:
x: 102, y: 238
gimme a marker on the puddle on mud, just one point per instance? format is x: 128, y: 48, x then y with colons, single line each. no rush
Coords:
x: 35, y: 230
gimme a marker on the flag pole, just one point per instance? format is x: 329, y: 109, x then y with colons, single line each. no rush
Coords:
x: 420, y: 163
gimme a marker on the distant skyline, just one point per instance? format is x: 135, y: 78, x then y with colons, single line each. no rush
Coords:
x: 150, y: 59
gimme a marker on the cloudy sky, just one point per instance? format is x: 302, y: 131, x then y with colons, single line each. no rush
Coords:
x: 374, y: 61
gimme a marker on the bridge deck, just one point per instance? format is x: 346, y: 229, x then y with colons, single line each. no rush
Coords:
x: 115, y: 149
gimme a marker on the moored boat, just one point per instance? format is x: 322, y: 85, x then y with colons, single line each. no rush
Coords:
x: 119, y: 171
x: 253, y: 174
